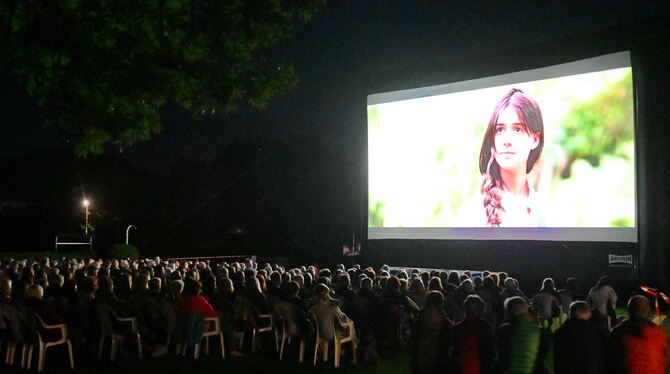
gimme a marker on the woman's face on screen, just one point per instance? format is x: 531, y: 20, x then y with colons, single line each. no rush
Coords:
x: 512, y: 141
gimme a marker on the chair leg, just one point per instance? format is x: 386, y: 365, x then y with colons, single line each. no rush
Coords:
x: 207, y: 345
x: 114, y: 348
x: 325, y: 351
x: 42, y: 358
x: 281, y: 350
x: 30, y: 356
x: 24, y: 354
x: 276, y: 341
x: 242, y: 340
x: 316, y: 350
x: 196, y: 351
x: 354, y: 349
x: 302, y: 350
x: 337, y: 352
x: 139, y: 346
x: 11, y: 351
x: 223, y: 345
x: 69, y: 348
x: 100, y: 346
x: 253, y: 341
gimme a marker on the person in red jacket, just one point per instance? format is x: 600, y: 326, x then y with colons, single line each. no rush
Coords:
x: 638, y: 345
x: 191, y: 301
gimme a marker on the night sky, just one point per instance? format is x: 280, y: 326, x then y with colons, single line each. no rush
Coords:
x: 333, y: 55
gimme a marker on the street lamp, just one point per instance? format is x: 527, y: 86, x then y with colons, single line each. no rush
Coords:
x: 86, y: 203
x: 128, y: 232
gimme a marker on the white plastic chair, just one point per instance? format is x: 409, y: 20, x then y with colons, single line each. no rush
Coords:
x: 27, y: 354
x: 117, y: 337
x: 346, y: 334
x: 10, y: 353
x: 268, y: 327
x: 289, y: 329
x: 215, y: 322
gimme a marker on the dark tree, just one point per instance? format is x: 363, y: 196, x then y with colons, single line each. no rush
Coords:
x: 102, y: 69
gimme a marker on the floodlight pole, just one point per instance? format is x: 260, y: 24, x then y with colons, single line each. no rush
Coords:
x: 86, y: 203
x: 128, y: 232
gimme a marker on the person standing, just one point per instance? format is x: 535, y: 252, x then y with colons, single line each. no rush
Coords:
x: 523, y: 346
x: 579, y: 346
x: 638, y: 345
x: 473, y: 340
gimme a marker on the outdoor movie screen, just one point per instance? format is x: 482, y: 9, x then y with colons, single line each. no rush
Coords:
x: 543, y: 154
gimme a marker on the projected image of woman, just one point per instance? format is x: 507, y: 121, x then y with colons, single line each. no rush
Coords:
x: 512, y: 145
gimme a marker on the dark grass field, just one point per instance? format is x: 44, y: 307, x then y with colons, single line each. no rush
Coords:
x: 169, y: 364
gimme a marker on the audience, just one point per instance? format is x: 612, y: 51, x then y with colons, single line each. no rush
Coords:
x: 451, y: 322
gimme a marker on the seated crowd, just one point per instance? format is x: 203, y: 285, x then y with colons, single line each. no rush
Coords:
x: 451, y: 322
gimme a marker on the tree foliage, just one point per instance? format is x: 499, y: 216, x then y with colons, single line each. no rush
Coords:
x: 101, y: 69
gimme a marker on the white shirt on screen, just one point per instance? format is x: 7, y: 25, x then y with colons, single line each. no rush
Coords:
x: 518, y: 211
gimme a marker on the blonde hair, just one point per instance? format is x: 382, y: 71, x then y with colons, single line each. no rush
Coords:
x: 35, y: 291
x: 5, y: 287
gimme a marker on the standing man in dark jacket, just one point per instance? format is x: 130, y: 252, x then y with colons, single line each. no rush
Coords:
x: 579, y: 347
x: 473, y: 340
x: 431, y: 337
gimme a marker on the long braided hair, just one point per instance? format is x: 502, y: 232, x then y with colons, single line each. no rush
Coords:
x: 491, y: 188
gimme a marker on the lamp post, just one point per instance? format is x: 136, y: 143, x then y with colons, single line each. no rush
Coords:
x: 128, y: 232
x: 86, y: 203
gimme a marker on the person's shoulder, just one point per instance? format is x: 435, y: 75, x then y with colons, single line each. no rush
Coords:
x: 655, y: 334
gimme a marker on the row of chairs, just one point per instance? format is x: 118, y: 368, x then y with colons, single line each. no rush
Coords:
x: 44, y: 342
x: 346, y: 333
x: 284, y: 333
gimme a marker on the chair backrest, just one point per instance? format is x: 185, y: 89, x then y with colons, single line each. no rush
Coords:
x: 103, y: 313
x: 21, y: 322
x: 192, y: 328
x: 4, y: 325
x: 289, y: 317
x: 45, y: 335
x: 323, y: 316
x: 246, y: 311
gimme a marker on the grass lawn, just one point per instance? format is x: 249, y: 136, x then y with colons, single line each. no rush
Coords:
x: 398, y: 364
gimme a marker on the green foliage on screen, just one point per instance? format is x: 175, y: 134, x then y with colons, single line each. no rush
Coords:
x: 600, y: 126
x: 376, y: 214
